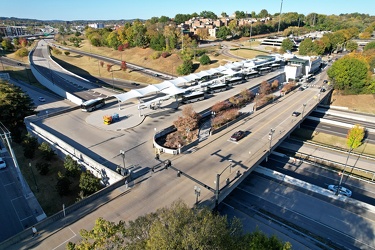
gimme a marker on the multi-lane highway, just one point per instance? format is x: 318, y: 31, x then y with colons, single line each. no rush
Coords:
x: 71, y: 83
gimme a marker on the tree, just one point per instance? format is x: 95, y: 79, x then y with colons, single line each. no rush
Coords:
x: 15, y: 105
x: 22, y: 52
x: 306, y: 47
x: 264, y: 88
x: 349, y: 74
x: 47, y: 151
x: 29, y: 144
x: 177, y: 227
x: 185, y: 68
x: 223, y: 32
x: 123, y: 66
x: 287, y: 44
x: 351, y: 46
x: 89, y: 184
x: 263, y: 13
x: 7, y: 44
x: 63, y: 184
x: 204, y: 60
x: 202, y: 33
x: 370, y: 45
x: 71, y: 166
x: 188, y: 121
x: 43, y: 167
x: 355, y: 136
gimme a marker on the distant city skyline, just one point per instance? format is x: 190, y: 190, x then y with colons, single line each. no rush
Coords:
x: 69, y: 10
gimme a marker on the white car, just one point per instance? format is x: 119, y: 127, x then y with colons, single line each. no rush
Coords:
x: 41, y: 99
x: 342, y: 190
x: 2, y: 163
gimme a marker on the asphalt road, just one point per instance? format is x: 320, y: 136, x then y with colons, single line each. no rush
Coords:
x: 326, y: 219
x: 64, y: 79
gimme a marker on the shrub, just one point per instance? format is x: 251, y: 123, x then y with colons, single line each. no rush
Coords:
x: 165, y: 54
x: 156, y: 55
x: 43, y: 167
x: 185, y: 68
x: 22, y: 52
x: 204, y: 60
x: 67, y: 53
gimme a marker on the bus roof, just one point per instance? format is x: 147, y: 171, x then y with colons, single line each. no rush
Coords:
x: 92, y: 101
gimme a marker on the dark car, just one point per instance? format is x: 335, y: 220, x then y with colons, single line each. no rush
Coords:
x: 237, y: 136
x: 322, y: 90
x: 19, y: 64
x: 325, y: 81
x: 295, y: 113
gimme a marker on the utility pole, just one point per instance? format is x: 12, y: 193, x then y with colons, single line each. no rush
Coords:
x: 281, y: 8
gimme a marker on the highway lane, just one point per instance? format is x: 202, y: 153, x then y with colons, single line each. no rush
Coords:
x: 332, y: 129
x: 147, y: 71
x: 352, y: 120
x: 326, y: 219
x: 322, y: 176
x: 66, y: 80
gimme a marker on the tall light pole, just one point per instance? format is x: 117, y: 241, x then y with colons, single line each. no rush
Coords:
x: 251, y: 30
x: 303, y: 110
x: 197, y: 191
x: 2, y: 59
x: 218, y: 184
x: 256, y: 101
x: 113, y: 84
x: 122, y: 152
x: 270, y: 135
x: 281, y: 8
x: 343, y: 171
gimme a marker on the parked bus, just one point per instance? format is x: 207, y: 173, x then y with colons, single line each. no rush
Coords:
x: 252, y: 74
x: 264, y: 70
x: 193, y: 97
x: 92, y: 104
x: 216, y: 88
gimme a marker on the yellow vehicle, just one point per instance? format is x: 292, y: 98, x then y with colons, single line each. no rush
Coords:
x: 107, y: 119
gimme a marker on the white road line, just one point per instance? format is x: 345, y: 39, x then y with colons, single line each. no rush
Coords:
x: 64, y: 242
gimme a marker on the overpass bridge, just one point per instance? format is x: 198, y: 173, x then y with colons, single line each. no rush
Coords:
x: 216, y: 166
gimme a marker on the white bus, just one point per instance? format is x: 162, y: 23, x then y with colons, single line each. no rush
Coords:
x: 92, y: 104
x: 216, y: 88
x: 193, y: 97
x: 252, y: 74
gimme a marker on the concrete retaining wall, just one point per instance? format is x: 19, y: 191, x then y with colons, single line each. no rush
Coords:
x: 50, y: 85
x: 62, y: 149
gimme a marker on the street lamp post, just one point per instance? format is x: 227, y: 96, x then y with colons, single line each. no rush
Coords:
x: 343, y: 171
x: 251, y: 29
x: 122, y: 152
x: 32, y: 172
x: 2, y: 59
x: 281, y: 8
x: 218, y: 183
x: 197, y: 191
x: 256, y: 101
x: 303, y: 110
x: 113, y: 84
x: 270, y: 134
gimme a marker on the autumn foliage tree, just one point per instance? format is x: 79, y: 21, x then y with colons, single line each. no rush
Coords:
x: 264, y: 89
x: 109, y: 67
x: 355, y: 136
x: 188, y: 121
x: 123, y: 66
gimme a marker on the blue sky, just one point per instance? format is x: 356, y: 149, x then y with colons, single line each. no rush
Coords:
x: 69, y: 10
